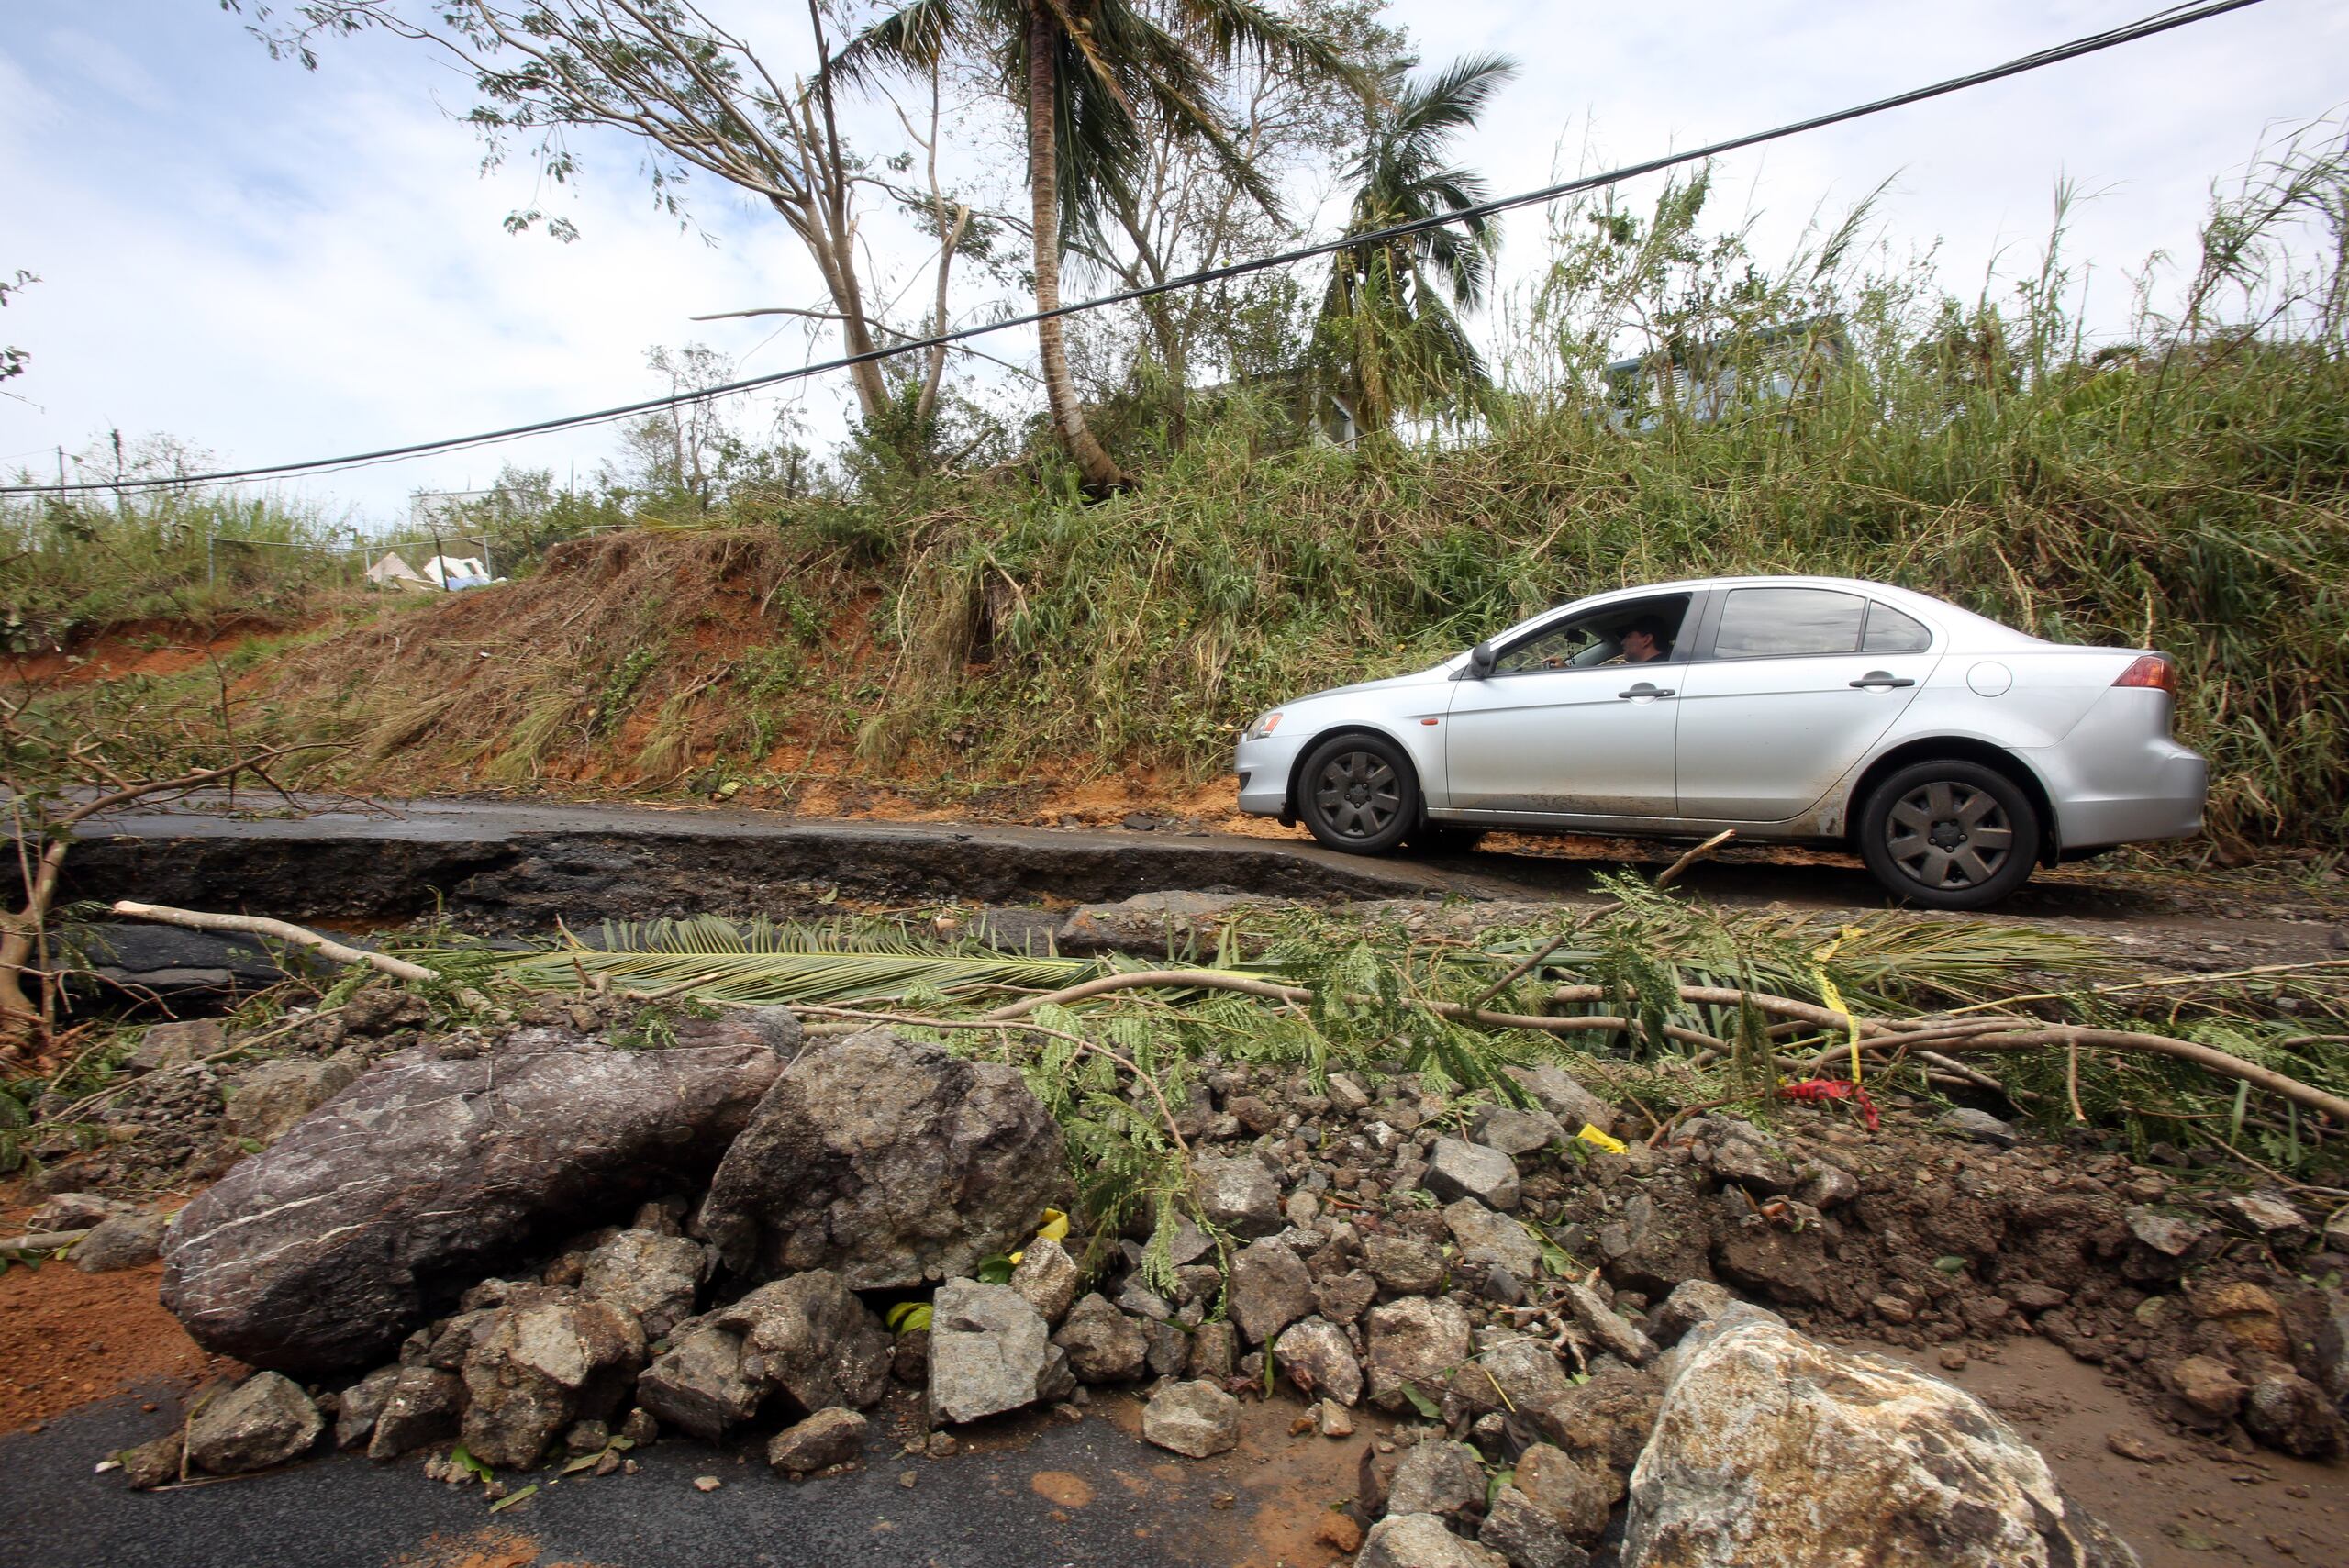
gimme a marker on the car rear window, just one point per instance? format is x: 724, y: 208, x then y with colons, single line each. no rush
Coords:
x: 1894, y: 631
x: 1762, y: 623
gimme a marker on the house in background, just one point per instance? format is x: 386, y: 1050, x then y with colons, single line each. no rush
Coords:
x: 1704, y: 382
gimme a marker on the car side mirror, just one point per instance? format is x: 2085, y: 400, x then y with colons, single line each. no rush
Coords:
x: 1480, y: 661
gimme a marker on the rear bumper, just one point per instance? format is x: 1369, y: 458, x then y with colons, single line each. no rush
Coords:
x: 2152, y: 789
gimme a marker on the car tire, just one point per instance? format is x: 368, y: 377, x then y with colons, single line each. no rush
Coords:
x: 1949, y: 835
x: 1357, y: 793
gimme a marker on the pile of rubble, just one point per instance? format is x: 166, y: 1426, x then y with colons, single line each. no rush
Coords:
x: 545, y: 1247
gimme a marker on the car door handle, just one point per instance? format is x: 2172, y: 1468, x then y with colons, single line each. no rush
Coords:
x: 1645, y: 690
x: 1882, y: 681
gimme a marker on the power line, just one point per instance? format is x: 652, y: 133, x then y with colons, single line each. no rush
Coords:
x: 2159, y: 22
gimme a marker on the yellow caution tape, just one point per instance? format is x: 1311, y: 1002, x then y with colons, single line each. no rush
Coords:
x: 1598, y: 1139
x: 1832, y: 998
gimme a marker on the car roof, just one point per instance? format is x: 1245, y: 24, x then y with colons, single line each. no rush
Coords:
x: 1959, y: 624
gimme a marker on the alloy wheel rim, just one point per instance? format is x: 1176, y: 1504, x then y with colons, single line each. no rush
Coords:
x: 1358, y: 795
x: 1947, y: 836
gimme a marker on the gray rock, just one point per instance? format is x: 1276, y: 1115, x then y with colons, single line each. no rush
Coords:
x: 1825, y: 1186
x: 1270, y: 1290
x: 1139, y: 1299
x: 264, y: 1421
x: 1510, y: 1372
x: 823, y: 1440
x: 153, y: 1464
x: 1604, y: 1423
x: 1419, y: 1540
x: 1348, y: 1093
x: 175, y: 1044
x: 1215, y: 1351
x: 1417, y: 1343
x: 2162, y: 1233
x: 1457, y: 1169
x: 652, y: 1276
x: 1436, y: 1476
x: 1891, y: 1466
x: 269, y: 1098
x: 2287, y: 1411
x: 355, y: 1412
x: 1047, y: 1276
x: 322, y: 1253
x: 1502, y: 1240
x: 698, y: 1384
x: 424, y: 1406
x: 1963, y: 1121
x: 1315, y: 1357
x: 1691, y: 1302
x: 1186, y: 1242
x: 1103, y: 1344
x: 77, y: 1211
x: 1170, y: 1348
x: 807, y: 1338
x: 1148, y: 923
x: 1195, y: 1419
x: 1514, y: 1131
x: 989, y: 1351
x: 1558, y: 1093
x: 1753, y: 1167
x: 1239, y: 1194
x: 1661, y: 1239
x: 1342, y: 1298
x: 891, y: 1162
x: 1404, y: 1264
x: 2263, y: 1215
x: 124, y: 1241
x: 1575, y: 1495
x: 1526, y: 1534
x: 542, y: 1365
x: 1615, y: 1334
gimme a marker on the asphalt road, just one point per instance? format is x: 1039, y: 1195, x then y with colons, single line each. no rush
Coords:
x: 1037, y: 1495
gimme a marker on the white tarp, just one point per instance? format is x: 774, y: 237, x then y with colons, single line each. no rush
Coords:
x: 393, y: 573
x: 457, y: 572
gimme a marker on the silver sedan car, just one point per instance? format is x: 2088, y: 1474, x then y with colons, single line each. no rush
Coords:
x: 1953, y: 754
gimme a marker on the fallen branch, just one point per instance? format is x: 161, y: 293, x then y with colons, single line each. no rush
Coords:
x: 41, y: 1240
x: 284, y: 931
x: 1670, y: 874
x: 1222, y: 980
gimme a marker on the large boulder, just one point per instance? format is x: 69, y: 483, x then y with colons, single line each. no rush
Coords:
x: 894, y: 1163
x: 323, y: 1251
x: 269, y: 1100
x: 1771, y: 1448
x: 808, y: 1338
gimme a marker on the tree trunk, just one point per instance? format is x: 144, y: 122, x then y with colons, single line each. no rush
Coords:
x: 1101, y: 470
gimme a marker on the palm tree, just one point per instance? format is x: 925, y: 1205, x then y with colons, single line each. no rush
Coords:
x: 1095, y: 77
x: 1390, y: 329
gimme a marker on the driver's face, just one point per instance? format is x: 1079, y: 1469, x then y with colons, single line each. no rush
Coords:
x: 1637, y: 647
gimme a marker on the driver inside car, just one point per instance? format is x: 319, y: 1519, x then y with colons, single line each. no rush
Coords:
x: 1644, y: 640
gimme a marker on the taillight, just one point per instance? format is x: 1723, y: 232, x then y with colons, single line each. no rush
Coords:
x: 2151, y: 670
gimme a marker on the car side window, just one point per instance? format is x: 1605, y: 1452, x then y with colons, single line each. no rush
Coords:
x: 1552, y: 650
x: 1767, y: 623
x: 1593, y: 639
x: 1894, y: 631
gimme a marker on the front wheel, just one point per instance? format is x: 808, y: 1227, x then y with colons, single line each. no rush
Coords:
x: 1357, y: 793
x: 1949, y: 835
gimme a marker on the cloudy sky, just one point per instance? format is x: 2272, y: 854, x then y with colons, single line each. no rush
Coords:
x: 272, y: 264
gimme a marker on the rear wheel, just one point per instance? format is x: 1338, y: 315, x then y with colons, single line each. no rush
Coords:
x: 1949, y: 835
x: 1357, y: 793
